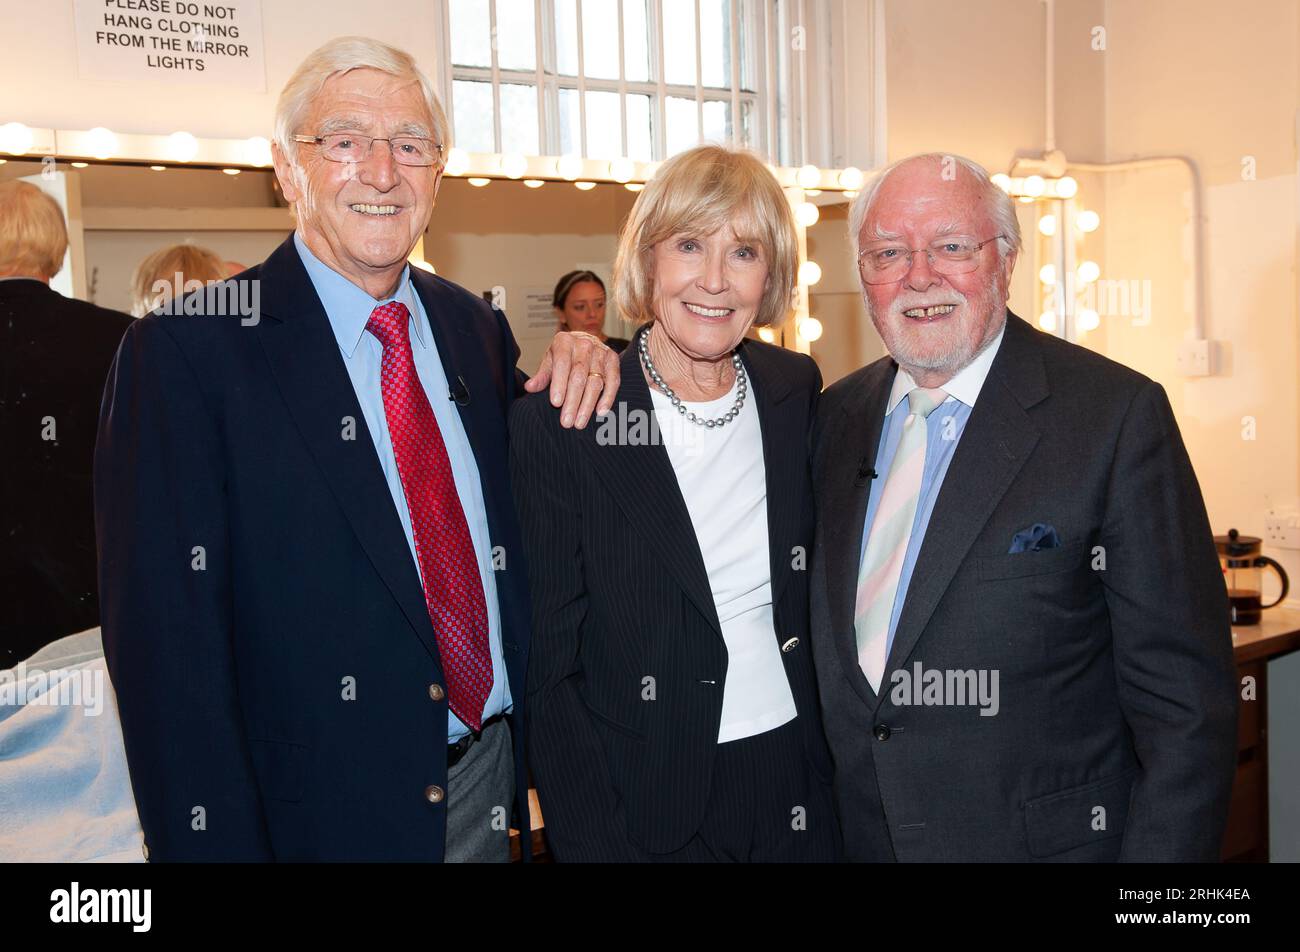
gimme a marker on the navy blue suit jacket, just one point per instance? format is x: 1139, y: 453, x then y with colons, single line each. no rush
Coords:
x: 263, y: 620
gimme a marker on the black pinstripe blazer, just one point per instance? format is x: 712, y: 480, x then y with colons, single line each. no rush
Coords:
x: 627, y: 661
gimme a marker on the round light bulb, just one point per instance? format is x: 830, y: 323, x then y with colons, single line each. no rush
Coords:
x: 1034, y: 186
x: 1002, y: 180
x: 479, y: 182
x: 257, y: 151
x: 1047, y: 321
x: 1047, y: 225
x: 457, y: 162
x: 182, y: 147
x: 622, y: 170
x: 534, y: 182
x: 585, y: 186
x: 1088, y: 320
x: 806, y: 213
x: 810, y: 328
x: 514, y: 165
x: 810, y: 272
x: 101, y: 142
x: 851, y: 178
x: 1066, y: 187
x: 231, y: 171
x: 15, y: 138
x: 633, y: 186
x: 766, y: 335
x: 1089, y: 271
x: 1087, y: 221
x: 1047, y: 274
x: 809, y: 177
x: 569, y: 167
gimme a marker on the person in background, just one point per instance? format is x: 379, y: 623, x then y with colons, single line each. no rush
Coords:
x: 579, y: 303
x: 672, y: 697
x: 171, y: 272
x: 54, y: 355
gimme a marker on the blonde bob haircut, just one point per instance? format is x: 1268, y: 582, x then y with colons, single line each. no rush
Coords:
x: 165, y: 274
x: 33, y: 236
x: 697, y: 192
x: 342, y: 55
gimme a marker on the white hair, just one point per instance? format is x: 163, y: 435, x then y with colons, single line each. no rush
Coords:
x: 1001, y: 207
x: 341, y: 55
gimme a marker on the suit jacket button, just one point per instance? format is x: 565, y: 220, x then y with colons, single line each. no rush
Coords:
x: 436, y: 692
x: 882, y: 732
x: 434, y: 794
x: 790, y: 645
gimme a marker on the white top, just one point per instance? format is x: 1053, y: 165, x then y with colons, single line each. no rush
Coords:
x: 720, y: 472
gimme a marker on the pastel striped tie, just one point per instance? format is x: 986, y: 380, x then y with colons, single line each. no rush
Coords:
x: 891, y: 530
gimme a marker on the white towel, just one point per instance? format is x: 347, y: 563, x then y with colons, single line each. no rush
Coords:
x: 65, y: 793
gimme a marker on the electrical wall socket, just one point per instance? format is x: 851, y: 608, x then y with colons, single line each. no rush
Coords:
x: 1282, y: 528
x: 1196, y: 358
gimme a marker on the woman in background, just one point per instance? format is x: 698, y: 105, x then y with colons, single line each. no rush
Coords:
x: 173, y: 272
x: 579, y: 303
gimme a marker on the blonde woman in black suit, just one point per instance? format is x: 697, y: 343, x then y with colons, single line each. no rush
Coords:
x: 672, y: 698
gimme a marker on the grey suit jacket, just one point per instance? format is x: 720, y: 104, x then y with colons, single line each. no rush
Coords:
x: 1114, y: 735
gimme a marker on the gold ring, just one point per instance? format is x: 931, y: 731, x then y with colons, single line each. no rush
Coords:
x: 595, y: 373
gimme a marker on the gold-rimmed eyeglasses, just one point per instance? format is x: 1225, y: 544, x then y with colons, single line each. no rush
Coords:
x: 354, y: 147
x: 885, y: 264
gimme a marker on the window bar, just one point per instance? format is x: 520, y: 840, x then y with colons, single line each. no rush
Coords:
x: 543, y: 127
x: 804, y: 87
x: 699, y: 79
x: 444, y: 48
x: 661, y: 93
x: 582, y: 85
x: 771, y: 81
x: 622, y: 77
x: 737, y: 126
x: 496, y: 77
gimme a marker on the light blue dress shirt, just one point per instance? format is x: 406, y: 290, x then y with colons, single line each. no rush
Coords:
x: 348, y: 308
x: 944, y: 428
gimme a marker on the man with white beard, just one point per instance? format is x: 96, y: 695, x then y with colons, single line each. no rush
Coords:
x: 992, y: 499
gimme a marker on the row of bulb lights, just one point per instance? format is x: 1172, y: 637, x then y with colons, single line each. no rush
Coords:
x: 479, y: 170
x: 183, y: 147
x: 1033, y: 188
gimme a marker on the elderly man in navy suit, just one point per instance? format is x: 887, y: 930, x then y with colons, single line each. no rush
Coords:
x: 1020, y: 627
x: 315, y: 608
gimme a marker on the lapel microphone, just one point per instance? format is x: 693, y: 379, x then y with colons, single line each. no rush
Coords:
x: 866, y: 472
x: 459, y: 392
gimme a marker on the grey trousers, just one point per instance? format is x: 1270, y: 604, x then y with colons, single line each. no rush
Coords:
x: 480, y: 799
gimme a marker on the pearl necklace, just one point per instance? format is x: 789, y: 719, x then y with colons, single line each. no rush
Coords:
x: 741, y: 387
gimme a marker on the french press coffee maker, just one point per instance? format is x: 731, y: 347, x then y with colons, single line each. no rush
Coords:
x: 1242, y: 565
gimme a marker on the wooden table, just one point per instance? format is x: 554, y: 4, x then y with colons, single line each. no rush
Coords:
x: 1246, y: 839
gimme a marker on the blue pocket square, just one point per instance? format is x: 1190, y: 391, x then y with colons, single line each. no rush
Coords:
x: 1037, y: 537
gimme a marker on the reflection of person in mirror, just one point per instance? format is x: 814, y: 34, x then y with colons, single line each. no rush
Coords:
x: 672, y: 697
x: 579, y: 302
x: 54, y: 355
x: 998, y: 507
x: 171, y: 272
x: 316, y: 615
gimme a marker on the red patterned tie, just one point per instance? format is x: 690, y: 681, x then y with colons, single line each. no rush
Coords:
x: 453, y: 589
